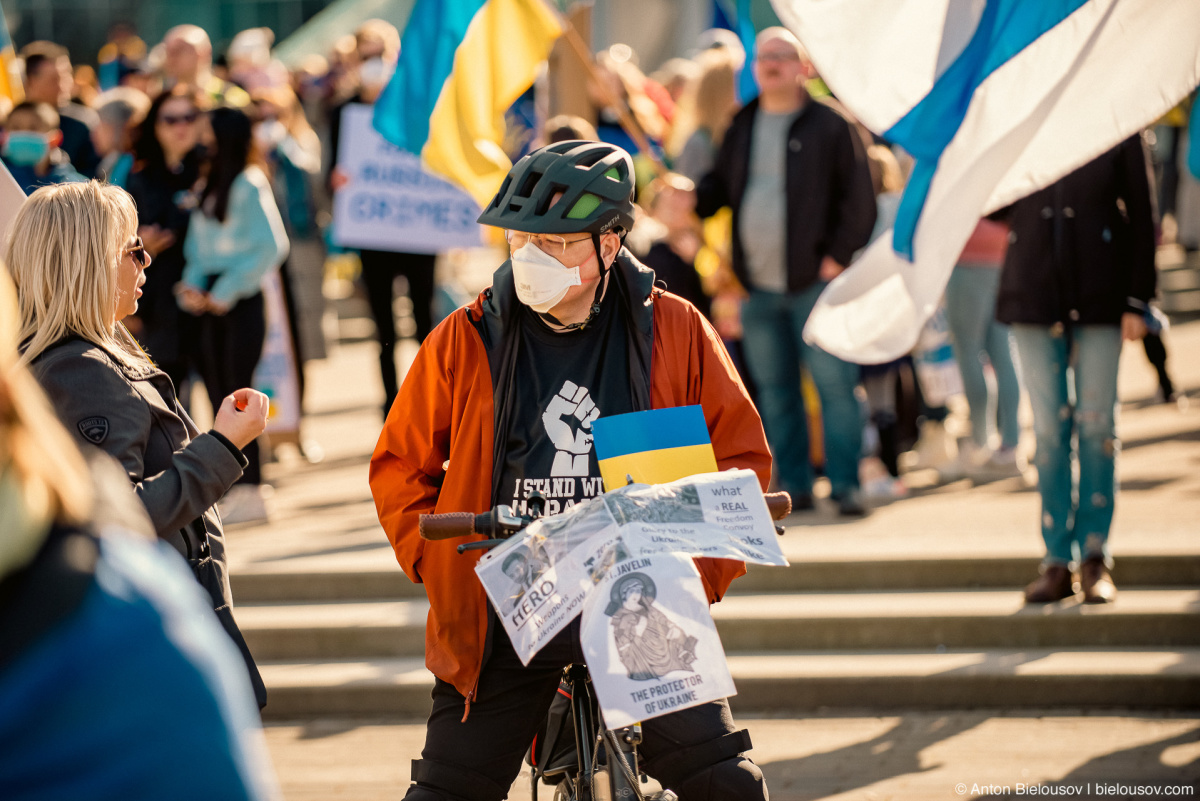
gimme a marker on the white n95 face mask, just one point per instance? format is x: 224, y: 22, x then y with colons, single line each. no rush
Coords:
x: 542, y: 280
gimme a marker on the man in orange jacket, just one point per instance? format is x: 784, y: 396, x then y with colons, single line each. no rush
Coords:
x: 499, y: 403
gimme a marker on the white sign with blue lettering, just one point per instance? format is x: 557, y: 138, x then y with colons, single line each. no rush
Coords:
x: 390, y: 201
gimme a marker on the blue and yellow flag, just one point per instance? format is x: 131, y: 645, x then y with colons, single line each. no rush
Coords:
x: 462, y: 64
x: 653, y: 447
x: 10, y: 86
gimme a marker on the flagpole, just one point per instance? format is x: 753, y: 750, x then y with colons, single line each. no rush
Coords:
x: 626, y: 120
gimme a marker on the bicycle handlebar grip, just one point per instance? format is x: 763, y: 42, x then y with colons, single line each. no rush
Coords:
x: 779, y: 504
x: 446, y: 526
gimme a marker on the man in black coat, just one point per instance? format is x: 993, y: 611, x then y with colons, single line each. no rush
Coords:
x: 796, y: 175
x: 1077, y: 277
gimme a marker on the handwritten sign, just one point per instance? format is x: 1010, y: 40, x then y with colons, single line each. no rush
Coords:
x: 391, y: 202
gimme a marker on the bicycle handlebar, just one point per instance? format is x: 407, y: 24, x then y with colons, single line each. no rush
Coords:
x: 502, y: 521
x: 446, y: 526
x: 779, y: 504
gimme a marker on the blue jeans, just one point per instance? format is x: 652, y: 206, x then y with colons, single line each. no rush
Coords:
x: 971, y: 312
x: 1074, y: 397
x: 773, y: 326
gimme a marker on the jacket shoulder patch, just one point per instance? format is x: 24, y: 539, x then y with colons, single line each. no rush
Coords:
x: 94, y: 429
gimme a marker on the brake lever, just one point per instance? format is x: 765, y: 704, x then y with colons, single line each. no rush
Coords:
x: 480, y: 545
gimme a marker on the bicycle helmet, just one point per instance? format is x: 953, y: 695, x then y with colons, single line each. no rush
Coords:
x: 597, y: 185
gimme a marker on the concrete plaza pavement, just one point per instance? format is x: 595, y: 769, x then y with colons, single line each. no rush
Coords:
x: 323, y: 521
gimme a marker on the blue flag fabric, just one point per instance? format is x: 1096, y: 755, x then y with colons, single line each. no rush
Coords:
x: 435, y: 30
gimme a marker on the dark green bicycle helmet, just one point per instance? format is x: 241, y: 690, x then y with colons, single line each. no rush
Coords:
x: 597, y: 185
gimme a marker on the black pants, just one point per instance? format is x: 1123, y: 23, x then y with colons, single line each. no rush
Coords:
x: 379, y: 271
x: 1156, y: 352
x: 479, y: 758
x: 228, y: 348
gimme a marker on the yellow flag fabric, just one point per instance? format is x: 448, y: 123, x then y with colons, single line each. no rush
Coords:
x: 499, y: 58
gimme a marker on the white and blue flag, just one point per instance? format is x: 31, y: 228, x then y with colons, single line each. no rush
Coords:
x: 994, y: 99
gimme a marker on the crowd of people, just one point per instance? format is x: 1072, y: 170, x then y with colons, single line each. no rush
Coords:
x: 232, y: 161
x: 213, y: 176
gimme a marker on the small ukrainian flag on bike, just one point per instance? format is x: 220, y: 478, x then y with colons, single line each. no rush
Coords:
x: 653, y: 447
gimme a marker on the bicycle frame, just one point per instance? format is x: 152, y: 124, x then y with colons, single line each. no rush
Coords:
x: 616, y: 776
x: 613, y: 777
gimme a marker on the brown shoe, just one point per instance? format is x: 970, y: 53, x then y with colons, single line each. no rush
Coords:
x: 1053, y: 585
x: 1096, y: 582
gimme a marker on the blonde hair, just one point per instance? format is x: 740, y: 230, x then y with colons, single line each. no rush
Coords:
x: 709, y: 101
x: 50, y: 472
x: 65, y: 247
x: 885, y: 170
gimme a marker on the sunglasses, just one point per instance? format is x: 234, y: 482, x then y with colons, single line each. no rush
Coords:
x: 138, y: 252
x: 185, y: 119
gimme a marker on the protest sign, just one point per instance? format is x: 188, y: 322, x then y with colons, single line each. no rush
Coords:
x: 276, y: 374
x: 646, y: 657
x: 533, y: 585
x: 538, y: 581
x: 390, y: 202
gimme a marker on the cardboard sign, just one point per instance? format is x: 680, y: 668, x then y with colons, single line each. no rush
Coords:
x: 391, y: 202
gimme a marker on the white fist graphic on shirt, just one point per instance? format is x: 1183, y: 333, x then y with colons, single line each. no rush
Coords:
x: 572, y: 440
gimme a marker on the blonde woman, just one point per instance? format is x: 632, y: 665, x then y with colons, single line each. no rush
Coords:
x: 705, y: 111
x: 108, y: 658
x: 78, y: 265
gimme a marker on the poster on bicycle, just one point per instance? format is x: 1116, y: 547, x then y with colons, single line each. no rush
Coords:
x: 650, y: 642
x: 534, y: 585
x: 538, y: 581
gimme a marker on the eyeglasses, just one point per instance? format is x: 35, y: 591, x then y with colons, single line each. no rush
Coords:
x: 782, y: 57
x: 549, y: 243
x: 183, y: 119
x: 138, y: 252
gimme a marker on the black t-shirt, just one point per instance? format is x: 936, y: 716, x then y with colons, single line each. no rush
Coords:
x: 563, y: 382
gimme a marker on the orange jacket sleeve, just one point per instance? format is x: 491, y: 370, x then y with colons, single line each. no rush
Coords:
x: 413, y: 446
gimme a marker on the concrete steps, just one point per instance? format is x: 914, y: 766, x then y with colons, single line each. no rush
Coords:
x: 1159, y: 570
x: 800, y: 621
x: 807, y: 680
x: 924, y: 632
x: 1178, y: 279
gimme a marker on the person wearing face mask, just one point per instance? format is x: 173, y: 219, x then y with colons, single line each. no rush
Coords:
x: 500, y: 399
x: 31, y: 151
x: 79, y: 266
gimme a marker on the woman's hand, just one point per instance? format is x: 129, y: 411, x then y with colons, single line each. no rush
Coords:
x: 190, y: 299
x: 155, y: 238
x: 1133, y: 326
x: 242, y: 416
x: 215, y: 306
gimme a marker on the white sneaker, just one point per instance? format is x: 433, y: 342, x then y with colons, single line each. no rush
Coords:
x: 997, y: 464
x: 877, y: 484
x: 935, y: 448
x: 243, y: 503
